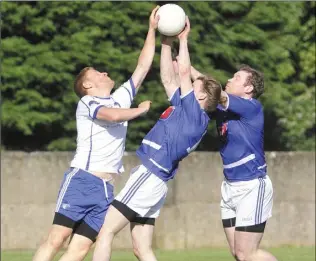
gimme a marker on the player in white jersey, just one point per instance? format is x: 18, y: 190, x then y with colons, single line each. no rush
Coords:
x: 177, y: 133
x: 87, y: 189
x: 247, y: 192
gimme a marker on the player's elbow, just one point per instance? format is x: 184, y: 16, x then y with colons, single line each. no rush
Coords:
x: 184, y: 71
x: 114, y: 117
x: 167, y: 82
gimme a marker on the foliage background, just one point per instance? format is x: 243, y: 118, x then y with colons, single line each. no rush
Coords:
x: 45, y: 44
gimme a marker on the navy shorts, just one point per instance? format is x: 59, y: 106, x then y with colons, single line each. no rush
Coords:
x: 84, y: 197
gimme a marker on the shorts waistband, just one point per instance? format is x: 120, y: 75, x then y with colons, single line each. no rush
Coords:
x: 139, y: 168
x: 91, y: 176
x: 240, y: 182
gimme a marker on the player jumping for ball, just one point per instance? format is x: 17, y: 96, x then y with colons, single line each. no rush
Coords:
x: 178, y: 132
x: 87, y: 188
x: 247, y: 193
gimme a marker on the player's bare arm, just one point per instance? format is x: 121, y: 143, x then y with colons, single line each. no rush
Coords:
x: 246, y: 108
x: 195, y: 73
x: 147, y: 54
x: 167, y: 70
x: 176, y: 70
x: 120, y: 114
x: 184, y: 63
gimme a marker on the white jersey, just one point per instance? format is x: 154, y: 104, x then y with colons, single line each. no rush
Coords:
x: 101, y: 144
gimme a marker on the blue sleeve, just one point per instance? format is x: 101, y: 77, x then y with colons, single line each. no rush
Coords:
x: 246, y: 108
x: 175, y: 99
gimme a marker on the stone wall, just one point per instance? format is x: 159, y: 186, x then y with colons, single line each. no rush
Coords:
x: 191, y: 215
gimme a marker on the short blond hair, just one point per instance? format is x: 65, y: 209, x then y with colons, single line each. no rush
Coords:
x: 80, y: 78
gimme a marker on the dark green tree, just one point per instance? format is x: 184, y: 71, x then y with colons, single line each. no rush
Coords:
x: 45, y: 44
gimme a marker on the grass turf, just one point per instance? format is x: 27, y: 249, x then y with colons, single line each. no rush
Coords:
x: 214, y: 254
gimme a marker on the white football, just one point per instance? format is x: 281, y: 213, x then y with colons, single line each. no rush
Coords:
x: 172, y: 19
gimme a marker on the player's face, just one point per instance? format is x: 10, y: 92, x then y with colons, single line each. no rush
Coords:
x: 237, y: 84
x: 100, y: 80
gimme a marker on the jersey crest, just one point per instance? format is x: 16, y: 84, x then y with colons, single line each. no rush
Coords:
x: 224, y: 129
x: 222, y: 132
x: 166, y: 114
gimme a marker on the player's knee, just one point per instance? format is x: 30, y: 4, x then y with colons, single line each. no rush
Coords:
x: 136, y: 252
x: 241, y: 255
x: 232, y: 251
x: 55, y: 240
x: 142, y: 251
x: 78, y: 252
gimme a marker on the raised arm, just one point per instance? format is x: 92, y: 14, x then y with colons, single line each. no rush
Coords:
x: 184, y: 63
x: 147, y: 54
x: 167, y: 67
x: 195, y: 73
x: 246, y: 108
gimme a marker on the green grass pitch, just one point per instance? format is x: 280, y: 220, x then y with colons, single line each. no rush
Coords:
x: 214, y: 254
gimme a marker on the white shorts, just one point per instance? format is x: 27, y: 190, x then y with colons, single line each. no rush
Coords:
x: 250, y: 202
x: 144, y: 193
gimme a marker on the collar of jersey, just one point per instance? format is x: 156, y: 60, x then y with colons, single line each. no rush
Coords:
x: 104, y: 98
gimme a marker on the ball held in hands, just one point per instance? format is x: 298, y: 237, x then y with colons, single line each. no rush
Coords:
x: 172, y: 19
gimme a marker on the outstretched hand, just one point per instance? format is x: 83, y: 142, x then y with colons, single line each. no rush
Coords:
x: 153, y: 19
x: 185, y: 33
x: 145, y: 105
